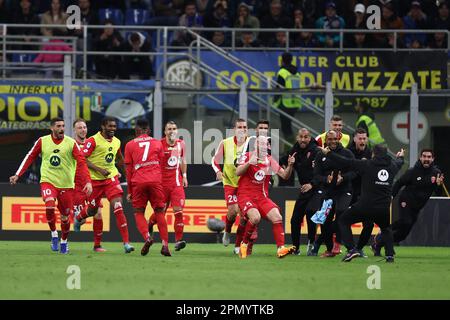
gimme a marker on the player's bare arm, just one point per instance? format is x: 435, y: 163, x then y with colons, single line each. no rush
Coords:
x: 286, y: 173
x: 120, y: 163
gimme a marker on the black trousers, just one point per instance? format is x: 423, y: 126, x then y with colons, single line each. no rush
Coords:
x: 286, y: 123
x: 402, y: 227
x: 341, y: 202
x: 360, y: 213
x: 366, y: 232
x: 300, y: 210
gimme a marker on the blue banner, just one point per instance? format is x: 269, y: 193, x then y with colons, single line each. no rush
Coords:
x: 30, y: 105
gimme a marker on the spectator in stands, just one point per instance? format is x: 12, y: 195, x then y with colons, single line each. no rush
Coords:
x: 330, y: 21
x: 219, y: 39
x: 358, y: 40
x: 279, y: 41
x: 109, y: 4
x: 246, y: 19
x: 389, y: 20
x: 415, y: 20
x: 166, y: 12
x: 248, y: 40
x: 311, y: 9
x: 305, y: 39
x: 4, y: 13
x: 54, y: 44
x: 442, y: 21
x: 25, y: 15
x: 218, y: 18
x: 140, y: 65
x: 110, y: 40
x: 357, y: 21
x: 439, y: 41
x: 190, y: 19
x: 204, y: 6
x: 275, y: 19
x: 55, y: 16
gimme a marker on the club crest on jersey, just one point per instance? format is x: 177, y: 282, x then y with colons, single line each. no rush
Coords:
x: 109, y: 157
x: 383, y: 175
x: 419, y: 178
x: 55, y: 161
x: 172, y: 161
x: 259, y: 175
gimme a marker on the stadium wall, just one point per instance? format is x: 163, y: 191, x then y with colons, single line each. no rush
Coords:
x: 23, y: 217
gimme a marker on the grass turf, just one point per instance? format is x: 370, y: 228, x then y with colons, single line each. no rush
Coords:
x: 29, y: 270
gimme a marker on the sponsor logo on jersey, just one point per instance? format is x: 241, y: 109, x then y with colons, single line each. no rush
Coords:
x: 109, y: 157
x: 55, y: 161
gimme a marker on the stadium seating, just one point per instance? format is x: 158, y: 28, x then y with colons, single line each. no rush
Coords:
x: 136, y: 17
x: 116, y: 15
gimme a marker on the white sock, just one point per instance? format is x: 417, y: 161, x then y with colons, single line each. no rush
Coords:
x: 55, y: 234
x: 63, y: 241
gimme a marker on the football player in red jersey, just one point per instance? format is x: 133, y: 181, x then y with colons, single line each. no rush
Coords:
x: 80, y: 199
x: 143, y: 157
x: 253, y: 196
x: 174, y: 180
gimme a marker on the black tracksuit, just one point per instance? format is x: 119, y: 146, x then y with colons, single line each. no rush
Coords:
x: 304, y: 168
x: 365, y: 154
x: 420, y: 183
x: 374, y: 204
x: 340, y: 194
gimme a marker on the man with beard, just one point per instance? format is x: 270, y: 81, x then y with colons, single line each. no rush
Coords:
x: 305, y: 150
x: 419, y: 183
x: 333, y: 182
x: 360, y: 149
x: 101, y: 151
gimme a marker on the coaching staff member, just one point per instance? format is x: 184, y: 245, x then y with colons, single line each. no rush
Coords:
x: 374, y: 204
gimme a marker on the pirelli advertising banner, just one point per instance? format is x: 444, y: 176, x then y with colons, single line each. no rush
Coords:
x: 23, y: 218
x: 352, y: 71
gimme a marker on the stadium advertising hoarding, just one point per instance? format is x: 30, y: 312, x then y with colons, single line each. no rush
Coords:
x: 30, y: 105
x: 350, y: 71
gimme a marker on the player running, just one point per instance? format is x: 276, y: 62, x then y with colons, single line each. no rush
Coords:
x: 61, y: 159
x: 174, y: 180
x: 228, y: 152
x: 143, y: 156
x: 101, y: 151
x: 80, y: 198
x: 254, y: 200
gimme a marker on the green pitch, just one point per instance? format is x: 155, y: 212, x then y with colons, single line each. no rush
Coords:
x: 29, y: 270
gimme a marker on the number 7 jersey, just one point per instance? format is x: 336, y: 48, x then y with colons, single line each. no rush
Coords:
x: 143, y: 157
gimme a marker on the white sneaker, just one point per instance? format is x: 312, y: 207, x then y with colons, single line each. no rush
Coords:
x: 236, y: 250
x: 226, y: 239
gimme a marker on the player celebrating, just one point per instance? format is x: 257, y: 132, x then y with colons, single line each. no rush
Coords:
x: 254, y: 201
x: 229, y: 150
x: 142, y: 159
x: 101, y: 151
x: 174, y: 180
x: 80, y: 198
x: 61, y: 159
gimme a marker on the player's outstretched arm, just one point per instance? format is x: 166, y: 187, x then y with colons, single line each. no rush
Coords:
x: 286, y: 173
x: 34, y: 152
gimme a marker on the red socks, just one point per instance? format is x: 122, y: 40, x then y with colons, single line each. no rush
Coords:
x: 249, y: 229
x: 162, y: 228
x: 65, y: 228
x: 121, y: 222
x: 152, y: 220
x: 278, y: 233
x: 178, y: 225
x: 142, y: 225
x: 239, y: 234
x: 98, y: 231
x: 228, y: 225
x: 50, y: 214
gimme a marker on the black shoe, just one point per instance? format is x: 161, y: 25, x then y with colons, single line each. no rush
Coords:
x: 165, y: 251
x: 296, y: 253
x: 354, y: 253
x: 146, y: 247
x: 375, y: 249
x: 390, y: 259
x: 180, y: 245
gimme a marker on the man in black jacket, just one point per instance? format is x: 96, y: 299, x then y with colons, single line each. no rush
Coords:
x: 376, y: 193
x: 361, y: 150
x: 331, y: 182
x: 420, y: 182
x: 305, y: 150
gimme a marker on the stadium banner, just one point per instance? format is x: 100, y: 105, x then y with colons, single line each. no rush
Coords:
x: 350, y: 71
x: 23, y: 217
x: 28, y: 214
x: 29, y: 105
